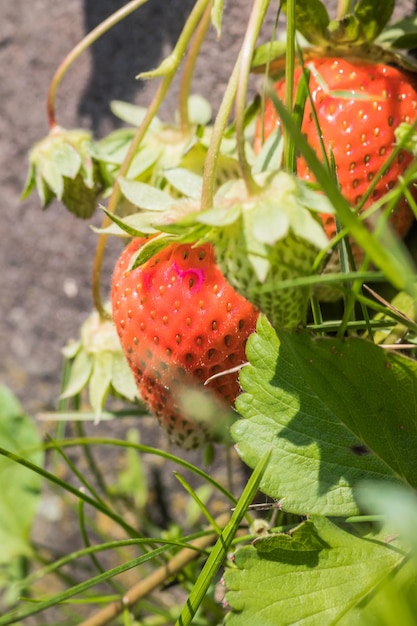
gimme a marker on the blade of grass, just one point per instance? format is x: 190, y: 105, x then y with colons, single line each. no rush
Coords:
x: 199, y: 503
x: 147, y: 450
x: 219, y: 552
x: 13, y: 616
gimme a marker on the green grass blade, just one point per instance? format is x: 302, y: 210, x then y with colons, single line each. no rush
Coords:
x: 219, y: 551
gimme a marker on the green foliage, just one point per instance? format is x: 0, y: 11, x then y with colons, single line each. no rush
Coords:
x: 20, y: 490
x: 331, y: 569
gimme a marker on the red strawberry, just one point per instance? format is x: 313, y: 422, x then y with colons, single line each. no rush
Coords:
x: 180, y: 322
x: 359, y: 104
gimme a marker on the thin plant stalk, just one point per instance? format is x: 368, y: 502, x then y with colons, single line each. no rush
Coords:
x: 255, y: 22
x: 83, y: 45
x: 168, y: 76
x: 189, y: 68
x: 213, y: 151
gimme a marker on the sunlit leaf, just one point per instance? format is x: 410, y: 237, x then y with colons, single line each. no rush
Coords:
x: 336, y: 412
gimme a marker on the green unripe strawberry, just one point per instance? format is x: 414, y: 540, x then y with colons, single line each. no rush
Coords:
x: 62, y: 166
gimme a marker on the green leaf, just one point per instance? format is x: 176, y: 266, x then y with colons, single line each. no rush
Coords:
x: 270, y: 225
x: 145, y: 196
x: 218, y: 216
x: 150, y: 248
x: 311, y: 20
x: 144, y: 160
x: 336, y: 412
x: 30, y: 183
x: 270, y: 156
x: 184, y: 181
x: 20, y: 488
x: 314, y: 576
x: 113, y: 148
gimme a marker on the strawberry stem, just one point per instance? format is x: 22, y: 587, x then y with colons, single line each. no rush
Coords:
x: 83, y: 45
x: 213, y: 151
x: 176, y: 56
x: 343, y: 8
x: 189, y: 67
x: 255, y: 22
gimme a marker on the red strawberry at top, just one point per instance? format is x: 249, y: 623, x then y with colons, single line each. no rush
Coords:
x: 180, y: 322
x: 358, y: 104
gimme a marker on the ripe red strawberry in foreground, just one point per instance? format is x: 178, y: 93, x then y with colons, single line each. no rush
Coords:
x: 180, y: 322
x: 358, y: 104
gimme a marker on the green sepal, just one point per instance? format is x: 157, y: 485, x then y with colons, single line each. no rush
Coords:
x: 268, y: 52
x: 136, y: 225
x: 373, y: 16
x: 98, y: 365
x: 311, y: 20
x: 145, y: 196
x: 150, y: 249
x: 184, y: 181
x: 401, y: 34
x: 131, y: 113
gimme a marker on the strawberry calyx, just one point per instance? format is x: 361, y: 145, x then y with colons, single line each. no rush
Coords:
x: 97, y: 363
x: 62, y: 166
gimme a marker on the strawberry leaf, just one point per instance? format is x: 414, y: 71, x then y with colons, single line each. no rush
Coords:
x: 331, y: 570
x: 309, y: 398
